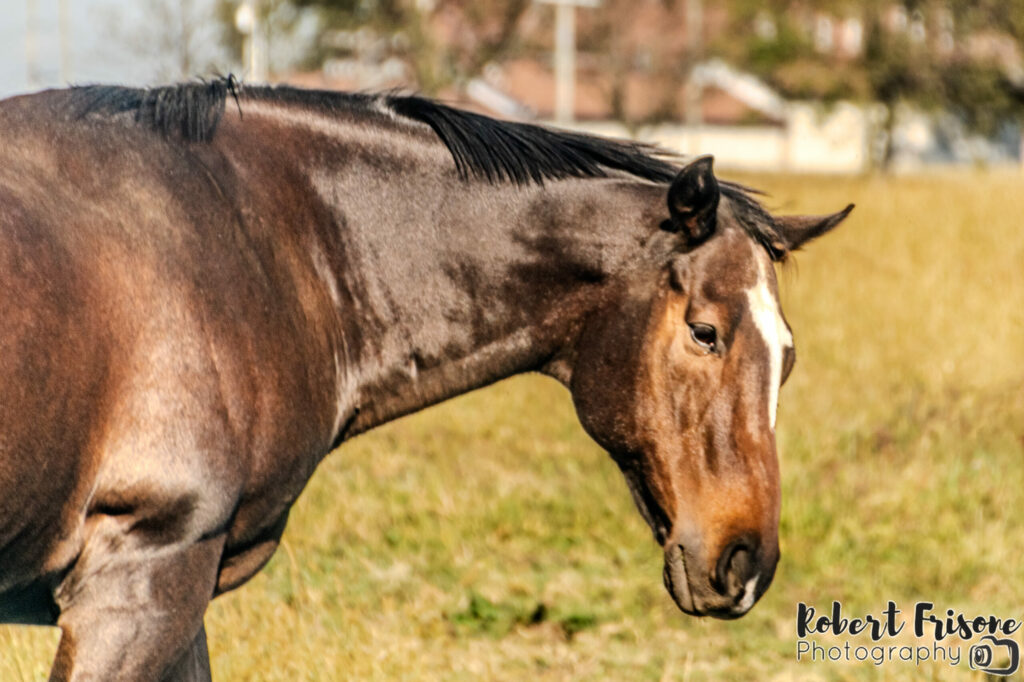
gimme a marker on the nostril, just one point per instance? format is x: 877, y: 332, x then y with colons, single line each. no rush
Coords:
x: 735, y: 567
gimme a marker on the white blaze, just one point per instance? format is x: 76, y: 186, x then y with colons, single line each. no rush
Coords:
x: 764, y: 309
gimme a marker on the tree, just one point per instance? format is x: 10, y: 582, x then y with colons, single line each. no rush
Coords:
x: 284, y: 31
x: 957, y: 55
x: 645, y: 38
x: 442, y: 41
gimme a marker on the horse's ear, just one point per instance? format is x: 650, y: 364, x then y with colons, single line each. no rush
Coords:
x: 693, y: 199
x: 797, y: 230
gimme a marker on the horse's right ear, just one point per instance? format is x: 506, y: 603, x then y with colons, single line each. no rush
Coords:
x: 693, y: 200
x: 797, y: 230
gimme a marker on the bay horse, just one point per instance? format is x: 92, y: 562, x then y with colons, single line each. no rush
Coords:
x: 205, y: 288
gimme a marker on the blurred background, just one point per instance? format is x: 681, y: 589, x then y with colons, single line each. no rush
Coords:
x: 808, y: 86
x: 488, y: 538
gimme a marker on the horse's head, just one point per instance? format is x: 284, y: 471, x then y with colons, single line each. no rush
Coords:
x: 678, y: 376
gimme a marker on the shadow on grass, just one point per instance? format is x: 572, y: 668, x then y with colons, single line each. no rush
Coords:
x: 497, y: 619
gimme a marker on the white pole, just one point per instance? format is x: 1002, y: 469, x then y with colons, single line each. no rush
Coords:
x: 565, y: 62
x: 565, y: 55
x: 256, y: 54
x: 65, y: 44
x: 31, y: 48
x: 247, y: 19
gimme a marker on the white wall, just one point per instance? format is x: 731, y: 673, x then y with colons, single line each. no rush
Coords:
x: 814, y: 139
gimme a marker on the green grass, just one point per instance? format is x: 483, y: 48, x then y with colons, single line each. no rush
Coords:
x: 487, y: 538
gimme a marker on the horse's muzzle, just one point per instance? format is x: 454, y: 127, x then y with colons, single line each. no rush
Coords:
x: 728, y: 588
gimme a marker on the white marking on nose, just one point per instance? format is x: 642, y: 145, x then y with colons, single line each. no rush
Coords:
x: 748, y: 596
x: 764, y: 309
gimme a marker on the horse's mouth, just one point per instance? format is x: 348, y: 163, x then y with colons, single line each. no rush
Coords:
x: 676, y: 581
x: 674, y: 575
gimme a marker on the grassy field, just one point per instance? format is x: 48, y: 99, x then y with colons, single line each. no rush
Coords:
x: 489, y: 539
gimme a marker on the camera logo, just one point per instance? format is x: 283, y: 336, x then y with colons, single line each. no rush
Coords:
x: 983, y: 654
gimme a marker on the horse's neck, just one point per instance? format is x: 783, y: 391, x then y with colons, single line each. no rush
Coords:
x: 440, y: 285
x: 461, y: 285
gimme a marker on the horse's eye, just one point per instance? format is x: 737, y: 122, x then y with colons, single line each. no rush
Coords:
x: 705, y: 336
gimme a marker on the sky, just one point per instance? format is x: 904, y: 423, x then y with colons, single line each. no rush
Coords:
x: 97, y: 30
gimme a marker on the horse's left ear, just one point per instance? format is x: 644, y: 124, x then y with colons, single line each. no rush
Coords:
x: 797, y: 230
x: 693, y: 200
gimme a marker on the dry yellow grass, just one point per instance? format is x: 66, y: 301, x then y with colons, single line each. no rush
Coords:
x: 488, y: 539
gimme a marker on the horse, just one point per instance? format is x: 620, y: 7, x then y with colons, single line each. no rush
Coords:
x: 205, y: 288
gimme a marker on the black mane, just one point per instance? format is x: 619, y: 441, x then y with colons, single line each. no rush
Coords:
x: 190, y: 111
x: 506, y: 151
x: 483, y: 148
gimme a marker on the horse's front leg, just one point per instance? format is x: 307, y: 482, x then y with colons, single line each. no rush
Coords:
x: 132, y: 606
